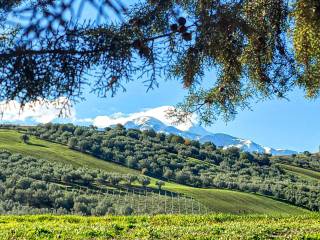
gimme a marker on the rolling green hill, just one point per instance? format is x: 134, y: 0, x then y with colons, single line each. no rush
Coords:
x: 216, y: 200
x: 10, y: 140
x: 304, y: 160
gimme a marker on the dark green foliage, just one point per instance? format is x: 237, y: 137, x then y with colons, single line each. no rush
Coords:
x: 127, y: 211
x: 32, y: 186
x: 209, y: 146
x: 25, y: 138
x: 160, y: 184
x: 175, y: 139
x: 72, y: 142
x: 307, y: 153
x: 150, y: 133
x: 144, y: 181
x: 168, y: 174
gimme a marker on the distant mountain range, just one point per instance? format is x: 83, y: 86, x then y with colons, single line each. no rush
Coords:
x: 155, y: 119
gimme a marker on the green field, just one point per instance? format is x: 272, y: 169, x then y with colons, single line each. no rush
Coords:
x: 218, y: 226
x: 216, y: 200
x: 226, y: 201
x: 305, y: 173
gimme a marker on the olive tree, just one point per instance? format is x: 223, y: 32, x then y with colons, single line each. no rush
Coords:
x: 25, y: 138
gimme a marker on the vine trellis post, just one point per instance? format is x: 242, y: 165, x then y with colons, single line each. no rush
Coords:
x: 119, y: 197
x: 145, y: 202
x: 192, y: 205
x: 152, y: 202
x: 171, y: 203
x: 139, y: 197
x: 185, y: 205
x: 165, y: 201
x: 132, y: 198
x: 159, y: 205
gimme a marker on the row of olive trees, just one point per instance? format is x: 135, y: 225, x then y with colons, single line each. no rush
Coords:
x: 30, y: 185
x: 155, y: 154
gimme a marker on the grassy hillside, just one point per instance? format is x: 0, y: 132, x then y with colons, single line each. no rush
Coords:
x: 305, y: 173
x: 160, y: 227
x: 216, y: 200
x: 10, y: 140
x: 227, y: 201
x: 304, y: 160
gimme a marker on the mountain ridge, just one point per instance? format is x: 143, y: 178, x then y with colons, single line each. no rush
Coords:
x: 154, y: 119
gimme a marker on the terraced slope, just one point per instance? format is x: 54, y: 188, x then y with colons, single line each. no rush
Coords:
x: 302, y: 172
x: 215, y: 199
x: 10, y: 140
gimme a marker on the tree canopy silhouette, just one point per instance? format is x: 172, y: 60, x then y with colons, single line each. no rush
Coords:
x: 259, y: 49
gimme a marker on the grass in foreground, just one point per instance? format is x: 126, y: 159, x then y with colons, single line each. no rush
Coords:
x: 160, y: 227
x: 216, y: 200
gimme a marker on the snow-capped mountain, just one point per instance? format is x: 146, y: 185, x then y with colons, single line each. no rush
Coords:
x: 155, y: 119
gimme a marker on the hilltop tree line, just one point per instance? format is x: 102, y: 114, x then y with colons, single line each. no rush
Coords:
x: 304, y: 160
x: 173, y: 158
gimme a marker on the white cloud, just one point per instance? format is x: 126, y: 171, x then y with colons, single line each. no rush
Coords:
x: 159, y: 113
x: 40, y: 111
x: 44, y: 111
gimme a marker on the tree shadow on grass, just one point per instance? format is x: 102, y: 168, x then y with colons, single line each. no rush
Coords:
x: 37, y: 145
